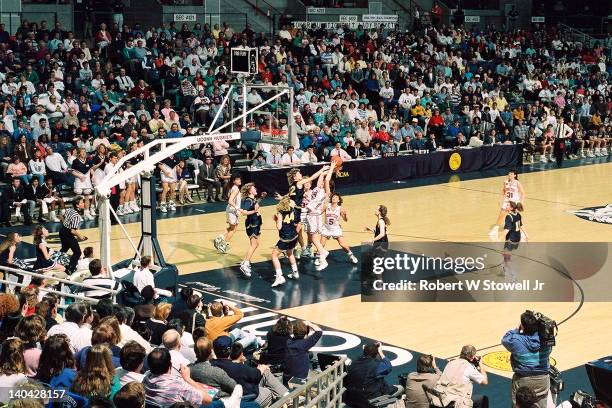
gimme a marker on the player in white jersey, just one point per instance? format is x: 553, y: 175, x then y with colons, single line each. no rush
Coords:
x: 307, y: 251
x: 512, y: 192
x: 232, y: 214
x: 314, y: 215
x: 331, y: 226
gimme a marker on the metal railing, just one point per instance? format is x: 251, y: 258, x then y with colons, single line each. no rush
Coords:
x: 322, y: 390
x: 575, y: 35
x: 22, y: 272
x: 12, y: 20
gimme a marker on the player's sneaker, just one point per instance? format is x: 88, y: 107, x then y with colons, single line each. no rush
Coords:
x: 171, y: 206
x: 307, y: 252
x: 163, y: 208
x: 245, y: 268
x: 353, y: 259
x: 543, y: 159
x: 294, y: 275
x: 134, y: 206
x: 218, y: 241
x: 317, y: 261
x: 280, y: 280
x: 297, y: 252
x: 324, y: 254
x: 322, y: 265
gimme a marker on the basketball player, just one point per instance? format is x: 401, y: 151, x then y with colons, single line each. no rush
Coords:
x: 332, y: 228
x: 286, y: 223
x: 514, y: 232
x: 296, y: 193
x: 232, y: 214
x: 380, y: 230
x: 252, y: 223
x: 512, y: 192
x: 314, y: 218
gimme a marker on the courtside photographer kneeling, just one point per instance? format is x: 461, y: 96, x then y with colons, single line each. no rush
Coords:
x: 530, y: 346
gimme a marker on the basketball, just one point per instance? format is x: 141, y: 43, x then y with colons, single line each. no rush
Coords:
x: 337, y: 160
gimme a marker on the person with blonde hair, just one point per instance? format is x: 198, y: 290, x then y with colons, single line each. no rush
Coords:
x: 159, y: 323
x: 96, y: 378
x: 286, y: 223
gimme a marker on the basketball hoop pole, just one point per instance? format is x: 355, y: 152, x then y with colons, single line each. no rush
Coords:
x: 244, y: 103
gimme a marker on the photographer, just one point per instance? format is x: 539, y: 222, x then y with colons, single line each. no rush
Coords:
x: 365, y: 378
x: 460, y: 375
x: 529, y: 358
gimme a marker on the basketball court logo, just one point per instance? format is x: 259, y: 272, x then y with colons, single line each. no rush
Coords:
x: 454, y: 161
x: 601, y: 214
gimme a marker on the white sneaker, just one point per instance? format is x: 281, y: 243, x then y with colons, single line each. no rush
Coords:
x: 53, y: 217
x: 582, y: 155
x: 294, y: 275
x: 92, y: 211
x: 317, y: 261
x: 353, y: 259
x: 134, y: 206
x: 532, y: 159
x: 297, y: 252
x: 127, y: 210
x: 245, y: 268
x: 280, y: 280
x: 322, y: 265
x: 163, y: 208
x: 120, y: 210
x: 307, y: 253
x: 172, y: 206
x: 543, y: 159
x: 324, y: 254
x: 550, y: 159
x: 590, y: 154
x: 233, y: 401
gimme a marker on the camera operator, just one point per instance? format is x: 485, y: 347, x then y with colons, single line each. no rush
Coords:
x: 529, y: 358
x: 527, y: 398
x: 460, y: 375
x: 365, y: 378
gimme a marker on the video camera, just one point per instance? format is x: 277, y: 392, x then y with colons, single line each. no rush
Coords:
x: 547, y: 329
x: 581, y: 399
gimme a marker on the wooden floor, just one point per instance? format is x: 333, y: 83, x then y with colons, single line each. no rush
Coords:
x: 454, y: 211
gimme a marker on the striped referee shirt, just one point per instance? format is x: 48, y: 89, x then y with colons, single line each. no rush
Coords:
x: 72, y: 219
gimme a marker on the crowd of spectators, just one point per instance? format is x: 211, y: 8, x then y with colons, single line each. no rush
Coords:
x: 71, y: 108
x: 164, y: 353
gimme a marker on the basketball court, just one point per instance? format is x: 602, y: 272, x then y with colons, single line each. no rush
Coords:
x: 457, y: 208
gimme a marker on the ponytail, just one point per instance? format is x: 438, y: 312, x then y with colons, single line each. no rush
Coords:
x: 514, y: 206
x: 383, y: 214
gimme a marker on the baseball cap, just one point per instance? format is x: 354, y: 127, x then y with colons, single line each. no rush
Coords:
x: 222, y: 346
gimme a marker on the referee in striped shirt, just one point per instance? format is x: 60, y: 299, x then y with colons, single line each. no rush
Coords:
x: 70, y: 232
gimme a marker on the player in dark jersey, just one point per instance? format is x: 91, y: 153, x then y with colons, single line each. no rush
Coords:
x: 286, y: 223
x: 513, y: 226
x: 296, y: 193
x: 380, y: 230
x: 252, y: 223
x: 514, y: 232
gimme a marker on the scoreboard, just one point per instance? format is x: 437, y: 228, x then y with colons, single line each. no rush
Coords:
x: 244, y: 61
